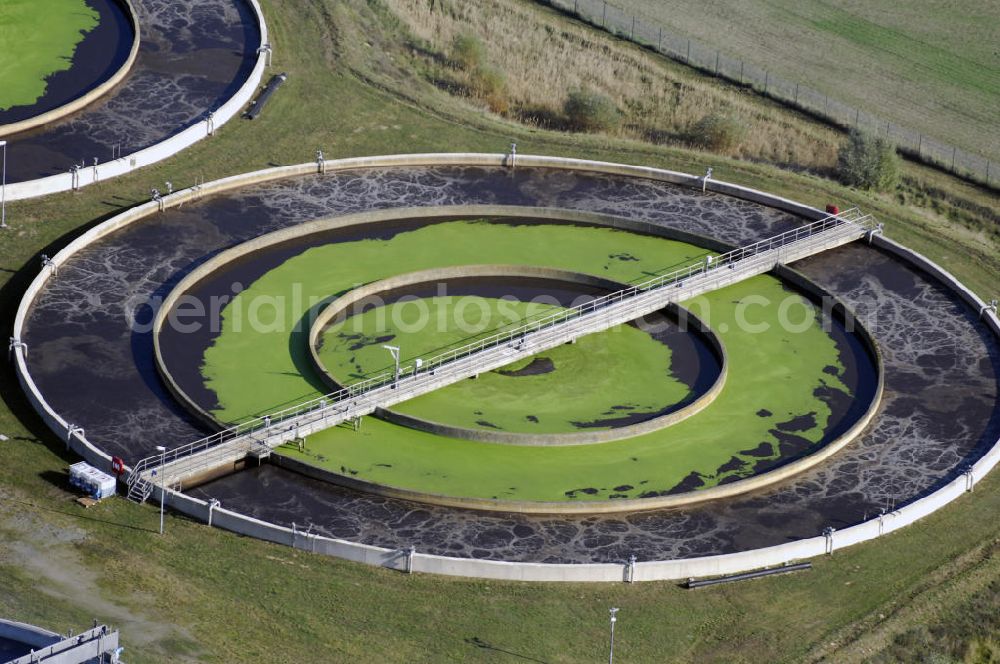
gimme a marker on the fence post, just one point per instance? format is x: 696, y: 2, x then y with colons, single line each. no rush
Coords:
x: 659, y: 42
x: 633, y: 29
x: 689, y: 52
x: 765, y: 82
x: 604, y: 17
x: 796, y: 94
x: 576, y: 7
x: 857, y: 117
x: 954, y: 151
x: 716, y: 63
x: 987, y: 171
x: 741, y: 72
x: 920, y: 145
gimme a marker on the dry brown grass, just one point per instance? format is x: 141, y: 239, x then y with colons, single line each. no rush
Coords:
x: 544, y: 57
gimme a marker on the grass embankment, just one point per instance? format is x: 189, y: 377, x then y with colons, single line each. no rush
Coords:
x: 927, y: 65
x: 543, y: 58
x: 195, y: 594
x: 620, y: 373
x: 37, y: 41
x: 772, y: 377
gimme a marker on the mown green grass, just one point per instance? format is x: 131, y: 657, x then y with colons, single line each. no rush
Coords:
x: 36, y: 41
x: 930, y: 66
x: 952, y: 64
x: 210, y: 591
x: 195, y: 594
x: 613, y: 374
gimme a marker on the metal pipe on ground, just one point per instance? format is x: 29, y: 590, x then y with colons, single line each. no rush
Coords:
x: 257, y: 106
x: 786, y: 569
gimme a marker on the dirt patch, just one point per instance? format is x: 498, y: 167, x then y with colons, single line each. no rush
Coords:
x: 45, y: 550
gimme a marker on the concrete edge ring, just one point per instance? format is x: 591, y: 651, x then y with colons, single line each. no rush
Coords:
x: 170, y: 145
x: 81, y: 102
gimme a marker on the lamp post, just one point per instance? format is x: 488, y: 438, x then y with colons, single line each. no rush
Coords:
x: 3, y: 188
x: 394, y: 351
x: 163, y: 494
x: 611, y: 658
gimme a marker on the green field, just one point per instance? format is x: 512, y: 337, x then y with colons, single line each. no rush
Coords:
x: 36, y: 42
x: 913, y: 596
x: 615, y: 374
x: 927, y: 65
x: 772, y: 377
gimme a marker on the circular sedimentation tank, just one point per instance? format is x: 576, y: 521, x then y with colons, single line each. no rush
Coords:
x: 95, y: 120
x: 940, y: 361
x: 676, y: 365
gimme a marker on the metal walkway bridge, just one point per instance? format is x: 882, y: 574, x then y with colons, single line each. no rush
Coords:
x: 220, y: 453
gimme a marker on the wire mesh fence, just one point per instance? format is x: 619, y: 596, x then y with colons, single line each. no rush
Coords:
x: 617, y: 21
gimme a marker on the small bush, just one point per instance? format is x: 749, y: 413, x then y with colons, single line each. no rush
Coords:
x: 718, y: 133
x: 587, y: 110
x: 468, y: 52
x: 868, y: 162
x: 490, y: 85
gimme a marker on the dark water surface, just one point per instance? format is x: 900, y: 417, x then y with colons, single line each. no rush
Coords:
x: 11, y: 650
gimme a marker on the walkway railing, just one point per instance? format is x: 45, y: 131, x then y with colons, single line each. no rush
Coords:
x: 487, y: 353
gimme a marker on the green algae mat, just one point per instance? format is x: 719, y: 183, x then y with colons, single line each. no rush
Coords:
x: 270, y: 320
x: 37, y: 40
x: 618, y: 374
x: 769, y: 407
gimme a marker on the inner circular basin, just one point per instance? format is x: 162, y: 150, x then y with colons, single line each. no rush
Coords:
x: 793, y: 387
x: 614, y: 379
